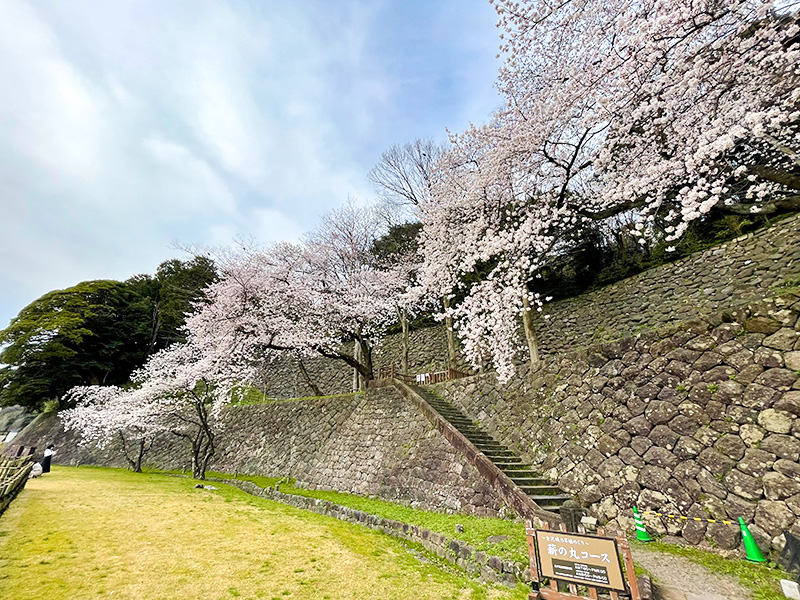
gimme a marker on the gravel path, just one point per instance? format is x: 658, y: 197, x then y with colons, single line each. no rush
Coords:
x: 678, y: 578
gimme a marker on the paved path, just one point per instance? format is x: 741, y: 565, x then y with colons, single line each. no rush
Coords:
x: 678, y: 578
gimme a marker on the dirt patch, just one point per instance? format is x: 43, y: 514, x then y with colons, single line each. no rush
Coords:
x: 678, y: 578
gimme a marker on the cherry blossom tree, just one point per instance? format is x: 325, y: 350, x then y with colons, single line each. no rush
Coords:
x: 486, y: 232
x: 674, y: 107
x: 180, y: 391
x: 186, y: 386
x: 104, y: 415
x: 322, y: 297
x: 664, y: 109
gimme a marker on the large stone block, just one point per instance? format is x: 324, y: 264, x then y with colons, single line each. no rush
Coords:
x: 661, y: 457
x: 717, y: 463
x: 744, y: 485
x: 653, y: 477
x: 756, y: 462
x: 778, y: 486
x: 723, y: 536
x: 783, y: 445
x: 778, y: 379
x: 773, y: 516
x: 776, y: 421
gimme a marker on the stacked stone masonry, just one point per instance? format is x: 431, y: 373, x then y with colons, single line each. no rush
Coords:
x: 697, y: 419
x: 427, y: 353
x: 368, y: 444
x: 745, y: 269
x: 693, y: 411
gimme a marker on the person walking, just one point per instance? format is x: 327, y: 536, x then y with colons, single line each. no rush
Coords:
x: 48, y: 455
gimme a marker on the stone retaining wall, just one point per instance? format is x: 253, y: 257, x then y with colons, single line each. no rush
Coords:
x: 743, y: 270
x: 698, y: 419
x: 736, y: 272
x: 427, y: 353
x: 368, y: 444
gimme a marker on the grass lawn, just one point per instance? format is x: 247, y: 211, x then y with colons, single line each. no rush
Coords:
x: 92, y: 532
x: 476, y: 532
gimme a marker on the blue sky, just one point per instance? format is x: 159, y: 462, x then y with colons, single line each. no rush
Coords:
x: 126, y: 126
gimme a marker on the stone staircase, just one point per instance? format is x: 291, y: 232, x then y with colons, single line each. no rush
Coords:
x: 539, y: 490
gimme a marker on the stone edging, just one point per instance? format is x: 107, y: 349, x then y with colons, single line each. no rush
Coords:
x: 490, y: 569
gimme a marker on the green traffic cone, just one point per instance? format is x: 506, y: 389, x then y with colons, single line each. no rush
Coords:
x: 753, y: 553
x: 641, y: 532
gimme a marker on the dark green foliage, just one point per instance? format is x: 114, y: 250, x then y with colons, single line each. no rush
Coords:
x: 96, y: 332
x: 400, y: 240
x: 611, y: 253
x: 84, y: 334
x: 168, y: 295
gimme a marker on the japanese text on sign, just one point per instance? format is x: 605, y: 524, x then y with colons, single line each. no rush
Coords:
x: 580, y: 559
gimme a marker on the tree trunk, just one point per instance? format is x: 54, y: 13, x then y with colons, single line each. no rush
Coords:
x: 530, y: 334
x: 403, y: 314
x: 451, y: 336
x: 365, y: 353
x: 357, y: 357
x: 202, y: 444
x: 314, y: 389
x: 137, y: 465
x: 156, y: 328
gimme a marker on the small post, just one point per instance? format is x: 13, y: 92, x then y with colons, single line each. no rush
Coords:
x: 572, y: 513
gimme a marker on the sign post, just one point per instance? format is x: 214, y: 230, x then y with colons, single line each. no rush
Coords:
x: 578, y: 559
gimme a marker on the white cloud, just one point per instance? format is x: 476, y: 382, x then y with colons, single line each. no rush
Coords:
x: 127, y: 125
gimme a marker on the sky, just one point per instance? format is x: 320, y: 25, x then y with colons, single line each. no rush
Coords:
x: 128, y: 128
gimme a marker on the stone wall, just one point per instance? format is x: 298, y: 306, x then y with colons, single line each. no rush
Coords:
x: 13, y: 419
x: 698, y: 419
x: 427, y: 353
x: 742, y: 270
x: 369, y: 444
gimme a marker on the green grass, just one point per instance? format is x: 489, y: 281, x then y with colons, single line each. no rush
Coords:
x: 476, y: 529
x: 763, y: 580
x: 90, y: 532
x: 788, y: 286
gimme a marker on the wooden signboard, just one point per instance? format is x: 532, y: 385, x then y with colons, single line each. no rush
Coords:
x: 585, y: 559
x: 579, y: 561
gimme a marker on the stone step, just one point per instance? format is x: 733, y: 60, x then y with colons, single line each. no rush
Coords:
x: 466, y: 426
x: 520, y: 473
x: 504, y: 459
x: 461, y: 422
x: 498, y: 450
x: 530, y: 481
x: 550, y: 501
x: 498, y: 453
x: 505, y: 466
x: 541, y: 490
x: 479, y: 440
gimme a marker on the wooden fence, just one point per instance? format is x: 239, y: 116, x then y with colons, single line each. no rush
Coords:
x: 391, y: 372
x: 13, y: 476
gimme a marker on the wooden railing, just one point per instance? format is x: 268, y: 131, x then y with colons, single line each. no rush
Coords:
x: 391, y: 372
x: 13, y: 476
